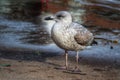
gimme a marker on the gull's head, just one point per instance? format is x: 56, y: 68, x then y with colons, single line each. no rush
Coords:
x: 49, y: 21
x: 63, y: 16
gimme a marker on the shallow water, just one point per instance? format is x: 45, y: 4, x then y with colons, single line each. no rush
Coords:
x: 26, y: 32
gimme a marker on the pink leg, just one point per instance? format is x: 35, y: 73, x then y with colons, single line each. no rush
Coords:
x: 77, y: 58
x: 66, y: 62
x: 77, y: 63
x: 66, y: 59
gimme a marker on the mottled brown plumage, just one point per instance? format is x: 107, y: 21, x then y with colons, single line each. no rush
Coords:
x: 83, y: 36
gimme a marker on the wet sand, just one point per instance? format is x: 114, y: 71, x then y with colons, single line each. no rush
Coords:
x: 29, y: 65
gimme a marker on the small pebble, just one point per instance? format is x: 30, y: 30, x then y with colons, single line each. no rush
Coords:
x: 115, y: 41
x: 111, y: 47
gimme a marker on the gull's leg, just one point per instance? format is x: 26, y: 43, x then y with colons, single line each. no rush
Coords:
x: 66, y: 59
x: 77, y: 59
x: 65, y: 67
x: 77, y: 70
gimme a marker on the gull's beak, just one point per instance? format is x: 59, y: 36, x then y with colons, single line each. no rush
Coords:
x: 49, y: 18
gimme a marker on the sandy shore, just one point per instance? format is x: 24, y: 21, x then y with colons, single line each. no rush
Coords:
x: 19, y: 66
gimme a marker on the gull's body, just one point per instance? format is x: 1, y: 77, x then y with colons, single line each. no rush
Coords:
x: 68, y: 35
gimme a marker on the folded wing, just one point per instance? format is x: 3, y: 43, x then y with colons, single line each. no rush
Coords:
x: 82, y: 36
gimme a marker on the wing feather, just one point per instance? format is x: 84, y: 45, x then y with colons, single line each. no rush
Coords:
x: 82, y: 36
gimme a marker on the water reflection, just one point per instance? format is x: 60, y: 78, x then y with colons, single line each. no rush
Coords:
x: 38, y: 36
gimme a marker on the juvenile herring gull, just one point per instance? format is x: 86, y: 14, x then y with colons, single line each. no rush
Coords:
x: 69, y: 36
